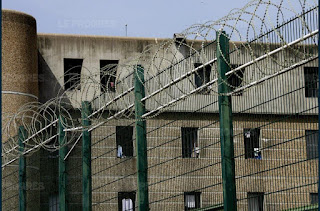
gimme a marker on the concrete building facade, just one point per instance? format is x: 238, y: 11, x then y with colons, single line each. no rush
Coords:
x: 276, y: 173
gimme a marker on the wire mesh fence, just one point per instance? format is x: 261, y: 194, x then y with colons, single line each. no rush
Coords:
x: 201, y: 122
x: 276, y: 126
x: 274, y: 111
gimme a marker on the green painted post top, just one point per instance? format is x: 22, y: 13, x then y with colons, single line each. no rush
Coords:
x: 139, y: 92
x: 22, y: 136
x: 223, y: 61
x: 86, y: 110
x: 61, y: 131
x: 139, y: 73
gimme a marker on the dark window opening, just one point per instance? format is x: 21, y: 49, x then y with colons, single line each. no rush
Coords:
x: 126, y: 201
x: 179, y: 39
x: 202, y: 76
x: 190, y: 145
x: 312, y: 144
x: 72, y: 73
x: 191, y: 200
x: 313, y: 198
x: 311, y: 81
x: 255, y: 201
x: 235, y: 80
x: 251, y: 143
x: 124, y: 140
x: 108, y: 73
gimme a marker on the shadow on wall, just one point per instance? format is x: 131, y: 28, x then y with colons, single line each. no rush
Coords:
x: 49, y: 86
x: 181, y: 44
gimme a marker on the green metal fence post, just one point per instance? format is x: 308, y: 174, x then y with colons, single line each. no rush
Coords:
x: 141, y: 140
x: 226, y: 129
x: 86, y: 110
x: 62, y: 166
x: 22, y: 134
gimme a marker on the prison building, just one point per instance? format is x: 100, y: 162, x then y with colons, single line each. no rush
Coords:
x: 274, y: 123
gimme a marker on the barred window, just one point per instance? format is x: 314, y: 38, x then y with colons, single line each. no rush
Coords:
x: 313, y: 198
x: 126, y: 201
x: 72, y: 73
x: 312, y: 144
x: 311, y: 81
x: 251, y: 143
x: 190, y: 145
x: 124, y: 141
x: 108, y: 72
x: 255, y: 201
x: 192, y: 200
x: 202, y: 76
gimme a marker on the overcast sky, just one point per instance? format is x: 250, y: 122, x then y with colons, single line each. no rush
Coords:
x: 145, y: 18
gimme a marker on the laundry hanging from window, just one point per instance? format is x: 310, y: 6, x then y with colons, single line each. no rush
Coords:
x: 119, y: 152
x: 190, y: 145
x: 124, y: 141
x: 127, y: 204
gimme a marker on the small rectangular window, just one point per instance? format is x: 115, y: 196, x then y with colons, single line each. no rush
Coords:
x: 202, y: 76
x: 72, y: 73
x: 54, y: 202
x: 126, y: 201
x: 124, y: 140
x: 235, y: 79
x: 251, y: 143
x: 179, y: 39
x: 311, y: 81
x: 255, y: 201
x: 313, y: 198
x: 190, y: 145
x: 108, y: 74
x: 192, y: 200
x: 312, y: 137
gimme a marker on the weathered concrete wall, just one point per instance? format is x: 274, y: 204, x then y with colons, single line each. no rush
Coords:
x: 176, y: 175
x: 129, y: 51
x: 170, y: 175
x: 53, y: 48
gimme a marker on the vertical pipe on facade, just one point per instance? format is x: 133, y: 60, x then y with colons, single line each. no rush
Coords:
x: 22, y: 134
x: 226, y: 129
x: 141, y: 140
x: 62, y: 166
x: 86, y: 110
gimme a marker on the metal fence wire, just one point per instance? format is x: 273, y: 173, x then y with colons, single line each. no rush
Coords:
x: 221, y: 118
x: 275, y: 132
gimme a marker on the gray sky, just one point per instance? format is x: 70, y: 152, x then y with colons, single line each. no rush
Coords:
x: 145, y: 18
